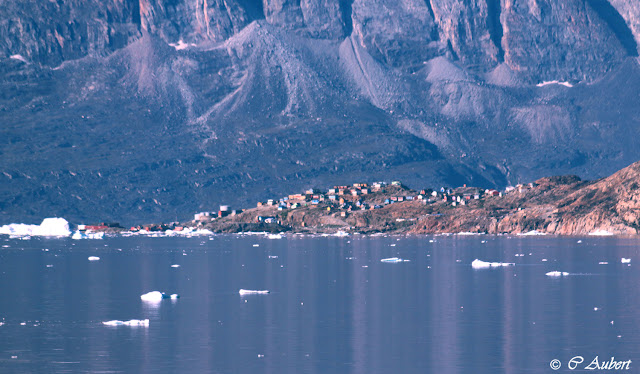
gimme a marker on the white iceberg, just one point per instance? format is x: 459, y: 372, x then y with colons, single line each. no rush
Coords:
x: 55, y: 227
x: 157, y: 296
x: 625, y: 260
x: 601, y: 233
x: 153, y: 296
x: 175, y: 266
x: 532, y: 233
x: 253, y: 292
x: 479, y: 264
x: 274, y: 236
x: 133, y: 322
x: 87, y: 235
x: 341, y: 234
x: 393, y: 260
x: 557, y: 274
x: 93, y: 258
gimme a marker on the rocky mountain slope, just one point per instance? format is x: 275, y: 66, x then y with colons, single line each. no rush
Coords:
x: 143, y: 110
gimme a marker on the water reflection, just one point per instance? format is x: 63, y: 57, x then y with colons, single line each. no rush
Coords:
x: 333, y: 307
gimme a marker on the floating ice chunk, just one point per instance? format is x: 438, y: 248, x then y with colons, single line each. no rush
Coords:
x: 625, y: 260
x: 273, y: 256
x: 547, y: 83
x: 557, y: 274
x: 341, y: 234
x: 532, y: 233
x: 133, y: 322
x: 87, y: 235
x: 392, y: 245
x: 274, y: 236
x: 175, y: 266
x: 253, y: 292
x: 601, y: 233
x: 153, y: 296
x: 49, y: 266
x: 256, y: 245
x: 603, y: 263
x: 479, y: 264
x: 93, y: 258
x: 174, y: 296
x: 393, y: 259
x: 55, y: 227
x: 544, y: 260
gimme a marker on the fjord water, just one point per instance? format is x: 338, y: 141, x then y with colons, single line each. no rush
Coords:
x: 333, y: 307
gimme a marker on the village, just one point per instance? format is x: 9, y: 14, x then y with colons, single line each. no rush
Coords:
x: 363, y: 207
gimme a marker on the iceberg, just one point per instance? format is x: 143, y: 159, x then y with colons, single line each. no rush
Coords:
x: 157, y: 296
x: 274, y: 236
x: 479, y: 264
x: 393, y: 260
x: 557, y: 274
x: 253, y: 292
x: 625, y: 260
x: 133, y: 322
x: 93, y: 258
x: 54, y: 227
x: 175, y: 266
x: 532, y: 233
x: 87, y: 235
x: 601, y: 233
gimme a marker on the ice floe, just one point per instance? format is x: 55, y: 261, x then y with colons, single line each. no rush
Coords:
x: 532, y: 233
x: 253, y: 292
x: 93, y: 258
x: 557, y: 274
x: 274, y: 236
x: 479, y: 264
x: 133, y: 322
x: 157, y: 296
x: 87, y: 235
x: 547, y: 83
x: 603, y: 263
x: 175, y: 266
x: 341, y: 234
x: 394, y: 260
x: 55, y: 227
x: 625, y: 260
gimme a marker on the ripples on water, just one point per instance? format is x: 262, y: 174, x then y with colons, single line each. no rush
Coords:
x: 333, y: 306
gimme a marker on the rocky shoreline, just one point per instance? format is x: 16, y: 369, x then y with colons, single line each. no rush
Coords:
x: 554, y: 205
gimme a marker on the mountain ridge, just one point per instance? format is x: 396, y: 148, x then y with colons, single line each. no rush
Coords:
x: 165, y: 108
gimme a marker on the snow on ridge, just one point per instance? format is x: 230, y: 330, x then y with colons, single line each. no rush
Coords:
x: 547, y: 83
x: 19, y: 58
x: 180, y: 45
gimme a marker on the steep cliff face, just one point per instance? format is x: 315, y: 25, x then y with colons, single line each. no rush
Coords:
x: 311, y: 90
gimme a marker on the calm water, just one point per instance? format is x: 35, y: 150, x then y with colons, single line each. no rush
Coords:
x: 333, y: 308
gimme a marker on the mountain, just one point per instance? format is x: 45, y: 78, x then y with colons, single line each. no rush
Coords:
x: 148, y: 110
